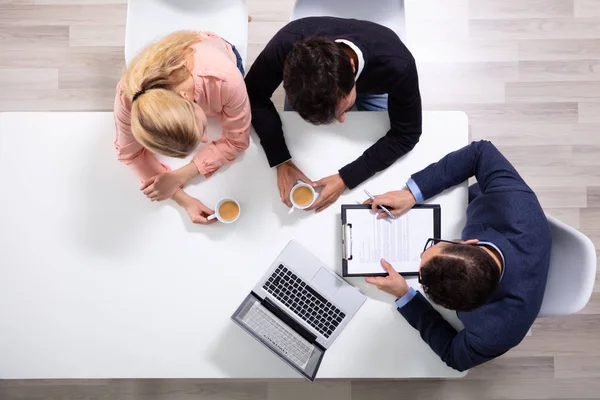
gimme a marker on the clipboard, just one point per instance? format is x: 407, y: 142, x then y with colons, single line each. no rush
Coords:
x: 365, y: 240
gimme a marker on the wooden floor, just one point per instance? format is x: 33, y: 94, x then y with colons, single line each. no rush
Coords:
x: 527, y: 72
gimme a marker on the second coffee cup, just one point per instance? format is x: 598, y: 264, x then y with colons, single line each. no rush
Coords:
x: 302, y: 196
x: 226, y: 211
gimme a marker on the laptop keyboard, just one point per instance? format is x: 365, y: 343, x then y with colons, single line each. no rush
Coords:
x: 307, y: 303
x: 282, y: 337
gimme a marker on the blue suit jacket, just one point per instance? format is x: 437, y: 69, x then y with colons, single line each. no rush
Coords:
x: 505, y: 211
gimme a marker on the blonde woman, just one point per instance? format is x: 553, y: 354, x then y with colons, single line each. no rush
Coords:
x: 161, y: 106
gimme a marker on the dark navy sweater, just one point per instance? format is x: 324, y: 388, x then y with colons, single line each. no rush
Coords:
x: 389, y: 68
x: 502, y: 210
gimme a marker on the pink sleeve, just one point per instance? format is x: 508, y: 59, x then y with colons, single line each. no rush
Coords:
x: 235, y: 121
x: 141, y: 161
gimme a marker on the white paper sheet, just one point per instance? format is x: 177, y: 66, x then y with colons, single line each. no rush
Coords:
x: 399, y: 241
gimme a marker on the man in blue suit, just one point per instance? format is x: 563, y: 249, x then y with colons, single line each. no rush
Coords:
x: 494, y: 277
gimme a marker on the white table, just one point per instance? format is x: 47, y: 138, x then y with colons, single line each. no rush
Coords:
x: 98, y: 282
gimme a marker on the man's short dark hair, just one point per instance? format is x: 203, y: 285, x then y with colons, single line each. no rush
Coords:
x: 462, y: 278
x: 317, y: 74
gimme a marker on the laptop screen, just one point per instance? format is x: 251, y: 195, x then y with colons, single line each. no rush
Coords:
x: 302, y: 355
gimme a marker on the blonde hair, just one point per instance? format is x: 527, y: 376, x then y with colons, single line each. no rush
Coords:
x: 161, y: 120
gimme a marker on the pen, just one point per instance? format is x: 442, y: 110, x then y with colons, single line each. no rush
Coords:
x: 380, y: 206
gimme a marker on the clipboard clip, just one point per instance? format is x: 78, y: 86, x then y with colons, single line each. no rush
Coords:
x: 347, y: 242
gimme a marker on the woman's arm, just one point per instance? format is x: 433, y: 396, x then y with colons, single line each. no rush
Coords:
x: 235, y: 121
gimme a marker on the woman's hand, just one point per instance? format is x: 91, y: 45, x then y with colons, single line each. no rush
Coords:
x: 194, y: 208
x: 163, y: 186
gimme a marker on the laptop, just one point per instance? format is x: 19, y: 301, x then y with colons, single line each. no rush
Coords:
x: 298, y: 309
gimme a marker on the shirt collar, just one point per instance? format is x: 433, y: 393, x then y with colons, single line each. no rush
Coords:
x: 359, y: 56
x: 501, y: 256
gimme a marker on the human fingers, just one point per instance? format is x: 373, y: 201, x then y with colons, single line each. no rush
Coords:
x: 388, y: 267
x: 374, y: 280
x: 324, y: 206
x: 151, y: 188
x: 147, y: 183
x: 320, y: 202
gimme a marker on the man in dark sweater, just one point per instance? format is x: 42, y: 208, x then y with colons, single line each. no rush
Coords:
x: 327, y: 65
x: 494, y: 277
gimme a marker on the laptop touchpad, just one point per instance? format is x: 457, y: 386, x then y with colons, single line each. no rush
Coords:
x: 327, y: 281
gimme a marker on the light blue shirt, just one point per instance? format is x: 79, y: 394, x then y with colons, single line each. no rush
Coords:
x: 402, y: 301
x: 416, y: 192
x: 414, y: 189
x: 501, y: 256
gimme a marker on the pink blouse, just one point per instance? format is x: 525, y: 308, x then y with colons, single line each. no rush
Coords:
x: 219, y: 90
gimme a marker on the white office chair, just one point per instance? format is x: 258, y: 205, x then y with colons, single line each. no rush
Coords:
x: 572, y: 271
x: 388, y: 13
x: 149, y: 20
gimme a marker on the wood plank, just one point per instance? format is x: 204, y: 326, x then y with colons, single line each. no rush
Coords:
x: 18, y: 2
x: 134, y: 389
x: 544, y: 156
x: 78, y: 2
x: 593, y: 193
x: 544, y: 344
x: 33, y: 38
x: 254, y: 50
x: 493, y: 9
x: 262, y: 32
x: 577, y: 367
x: 45, y: 57
x: 89, y: 78
x: 300, y: 389
x: 62, y: 15
x: 448, y: 92
x: 566, y: 325
x: 560, y: 113
x: 515, y: 367
x: 587, y: 8
x: 549, y: 92
x: 559, y: 176
x: 105, y: 35
x: 590, y: 220
x: 31, y: 79
x: 569, y: 197
x: 589, y: 112
x: 95, y: 57
x: 472, y: 50
x: 569, y: 216
x: 532, y: 134
x: 586, y: 155
x: 536, y: 28
x: 269, y: 11
x: 433, y: 29
x: 498, y: 388
x: 494, y: 72
x: 562, y: 70
x: 60, y: 100
x: 559, y: 49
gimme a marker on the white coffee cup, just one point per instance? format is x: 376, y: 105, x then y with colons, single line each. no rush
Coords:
x: 295, y: 205
x: 220, y: 217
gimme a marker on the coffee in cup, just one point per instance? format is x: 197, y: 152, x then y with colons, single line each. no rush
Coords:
x: 226, y: 211
x: 229, y: 210
x: 302, y: 196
